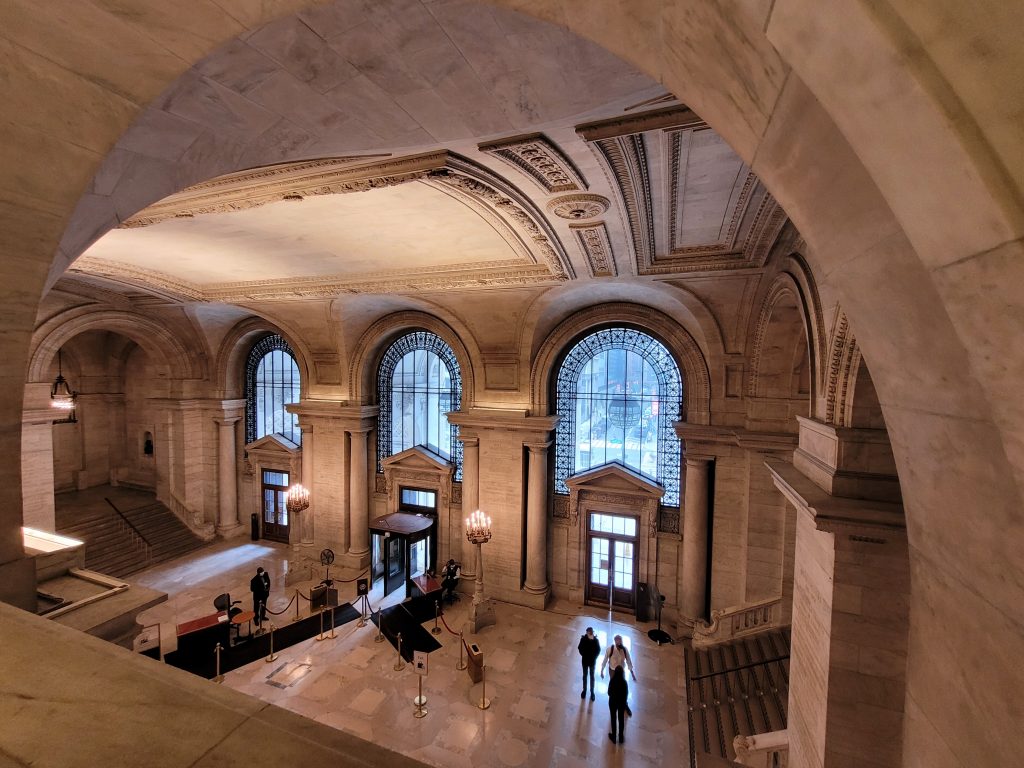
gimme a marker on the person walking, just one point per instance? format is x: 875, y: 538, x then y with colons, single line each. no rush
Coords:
x: 589, y: 648
x: 618, y: 692
x: 617, y: 657
x: 259, y: 585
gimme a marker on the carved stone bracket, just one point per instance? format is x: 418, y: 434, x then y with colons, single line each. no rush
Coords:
x: 539, y: 159
x: 596, y: 247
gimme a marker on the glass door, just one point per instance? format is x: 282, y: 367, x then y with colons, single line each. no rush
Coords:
x: 611, y: 562
x: 275, y: 508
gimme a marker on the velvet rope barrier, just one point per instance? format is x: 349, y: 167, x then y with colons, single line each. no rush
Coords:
x: 278, y: 613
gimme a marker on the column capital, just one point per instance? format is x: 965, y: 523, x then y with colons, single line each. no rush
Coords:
x: 505, y: 419
x: 697, y: 460
x: 537, y: 446
x: 227, y: 421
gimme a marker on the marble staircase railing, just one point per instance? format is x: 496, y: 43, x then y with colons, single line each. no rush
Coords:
x: 737, y: 621
x: 765, y: 750
x: 194, y: 520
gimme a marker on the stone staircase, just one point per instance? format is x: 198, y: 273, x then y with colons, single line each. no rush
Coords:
x: 736, y: 688
x: 116, y: 549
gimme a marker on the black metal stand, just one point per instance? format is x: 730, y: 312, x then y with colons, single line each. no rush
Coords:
x: 659, y: 635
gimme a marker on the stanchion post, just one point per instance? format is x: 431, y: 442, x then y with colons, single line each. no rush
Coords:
x: 484, y: 702
x: 272, y: 656
x: 218, y: 678
x: 296, y: 606
x: 421, y: 710
x: 321, y: 636
x: 437, y: 612
x: 333, y: 634
x: 399, y: 665
x: 380, y: 627
x: 362, y: 613
x: 462, y: 646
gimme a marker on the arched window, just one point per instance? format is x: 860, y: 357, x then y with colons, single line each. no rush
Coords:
x: 271, y: 381
x: 618, y: 392
x: 418, y: 383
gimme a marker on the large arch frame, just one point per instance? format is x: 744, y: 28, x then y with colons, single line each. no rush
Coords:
x: 233, y: 353
x: 680, y: 344
x: 368, y: 351
x: 155, y: 338
x: 923, y: 134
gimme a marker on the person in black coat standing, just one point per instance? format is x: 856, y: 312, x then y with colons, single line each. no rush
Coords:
x: 260, y: 587
x: 618, y: 692
x: 590, y: 649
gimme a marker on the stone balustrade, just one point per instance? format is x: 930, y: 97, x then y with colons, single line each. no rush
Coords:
x: 765, y: 750
x: 737, y: 621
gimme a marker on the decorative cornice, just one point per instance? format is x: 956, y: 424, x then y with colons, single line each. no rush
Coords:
x: 578, y: 207
x: 671, y: 117
x: 465, y: 179
x: 596, y: 247
x: 510, y: 420
x: 509, y: 272
x: 626, y: 159
x: 536, y: 156
x: 290, y: 181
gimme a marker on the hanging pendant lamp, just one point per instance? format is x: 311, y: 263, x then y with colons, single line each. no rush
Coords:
x: 61, y: 395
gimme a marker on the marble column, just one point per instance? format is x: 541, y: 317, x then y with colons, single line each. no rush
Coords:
x: 470, y: 497
x: 359, y: 533
x: 305, y: 521
x: 536, y: 520
x: 227, y: 479
x: 695, y: 539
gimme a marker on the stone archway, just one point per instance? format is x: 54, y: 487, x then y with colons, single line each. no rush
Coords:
x: 916, y: 176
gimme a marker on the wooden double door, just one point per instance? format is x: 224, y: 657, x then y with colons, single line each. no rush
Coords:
x: 276, y: 525
x: 612, y: 549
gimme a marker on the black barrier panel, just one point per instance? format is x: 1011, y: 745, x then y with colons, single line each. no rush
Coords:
x: 198, y: 657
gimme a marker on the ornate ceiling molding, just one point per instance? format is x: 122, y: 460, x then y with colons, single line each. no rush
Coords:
x: 537, y: 157
x: 578, y: 207
x: 626, y: 158
x: 596, y: 247
x: 290, y: 181
x: 491, y: 274
x: 470, y: 182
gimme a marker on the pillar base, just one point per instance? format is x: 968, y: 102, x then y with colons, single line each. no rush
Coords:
x: 232, y: 531
x: 536, y: 597
x: 481, y: 614
x: 18, y: 583
x: 355, y: 560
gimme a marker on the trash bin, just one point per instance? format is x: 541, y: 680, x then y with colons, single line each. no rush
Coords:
x: 644, y: 607
x: 475, y: 663
x: 254, y: 521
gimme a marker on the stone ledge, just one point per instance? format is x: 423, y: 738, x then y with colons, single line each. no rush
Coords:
x: 112, y: 707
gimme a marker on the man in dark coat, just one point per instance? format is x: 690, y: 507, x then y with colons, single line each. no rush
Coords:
x: 618, y: 692
x: 590, y: 649
x: 260, y: 587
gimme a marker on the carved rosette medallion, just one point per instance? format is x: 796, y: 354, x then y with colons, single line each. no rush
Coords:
x: 578, y: 207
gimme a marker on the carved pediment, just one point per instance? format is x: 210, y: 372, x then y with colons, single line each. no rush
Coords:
x: 418, y: 458
x: 273, y: 444
x: 617, y: 478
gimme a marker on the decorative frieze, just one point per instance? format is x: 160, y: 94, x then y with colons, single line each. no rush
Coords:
x: 540, y: 160
x: 596, y: 247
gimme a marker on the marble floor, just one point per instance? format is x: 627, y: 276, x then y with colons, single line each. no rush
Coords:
x: 535, y: 718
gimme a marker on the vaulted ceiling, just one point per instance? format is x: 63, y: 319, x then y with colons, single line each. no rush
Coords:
x: 484, y: 150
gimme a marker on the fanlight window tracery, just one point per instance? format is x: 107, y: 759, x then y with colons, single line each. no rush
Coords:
x: 419, y: 382
x: 618, y: 391
x: 271, y: 382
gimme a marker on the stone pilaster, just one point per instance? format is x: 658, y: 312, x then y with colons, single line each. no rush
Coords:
x: 306, y: 532
x: 848, y: 658
x: 503, y: 435
x: 693, y: 574
x: 536, y: 520
x: 470, y: 500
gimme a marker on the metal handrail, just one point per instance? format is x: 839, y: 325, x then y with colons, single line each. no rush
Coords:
x: 740, y: 667
x: 145, y: 543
